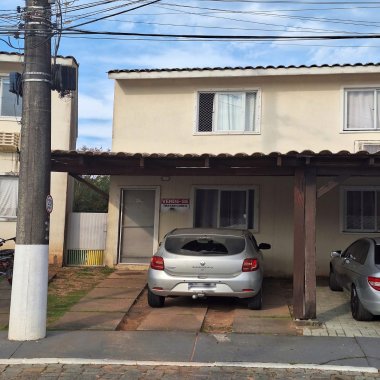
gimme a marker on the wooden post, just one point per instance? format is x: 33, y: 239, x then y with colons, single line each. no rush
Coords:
x: 310, y: 244
x: 304, y: 273
x: 299, y: 244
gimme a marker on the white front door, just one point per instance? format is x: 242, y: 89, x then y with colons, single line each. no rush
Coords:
x: 137, y: 225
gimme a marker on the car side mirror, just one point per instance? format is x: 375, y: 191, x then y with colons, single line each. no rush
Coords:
x: 264, y: 246
x: 336, y: 253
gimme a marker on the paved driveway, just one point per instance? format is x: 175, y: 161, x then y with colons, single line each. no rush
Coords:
x: 120, y: 301
x: 224, y: 315
x: 334, y: 314
x: 217, y: 315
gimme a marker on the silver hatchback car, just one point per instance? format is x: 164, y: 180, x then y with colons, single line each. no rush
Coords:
x: 201, y: 262
x: 357, y: 269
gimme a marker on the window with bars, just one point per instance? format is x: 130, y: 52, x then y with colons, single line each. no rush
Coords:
x: 227, y: 112
x: 362, y: 111
x: 361, y: 211
x: 10, y: 106
x: 228, y: 208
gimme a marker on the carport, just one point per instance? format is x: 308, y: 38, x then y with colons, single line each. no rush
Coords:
x: 305, y: 167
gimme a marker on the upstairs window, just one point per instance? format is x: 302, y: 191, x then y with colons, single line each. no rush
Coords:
x: 9, y: 105
x: 227, y: 112
x: 362, y: 109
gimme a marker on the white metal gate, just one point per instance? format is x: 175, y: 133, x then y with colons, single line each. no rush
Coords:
x: 86, y: 238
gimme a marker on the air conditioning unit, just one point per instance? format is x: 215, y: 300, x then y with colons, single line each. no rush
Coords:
x: 370, y: 146
x: 9, y: 142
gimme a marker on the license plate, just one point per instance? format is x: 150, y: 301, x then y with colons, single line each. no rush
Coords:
x: 201, y: 285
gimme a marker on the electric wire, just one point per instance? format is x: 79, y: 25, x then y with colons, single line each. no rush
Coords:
x: 105, y: 6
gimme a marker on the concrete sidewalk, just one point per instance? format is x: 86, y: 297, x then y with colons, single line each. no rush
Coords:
x: 184, y: 347
x: 104, y: 306
x: 86, y: 333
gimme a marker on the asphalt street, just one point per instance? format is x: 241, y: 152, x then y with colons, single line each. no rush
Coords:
x: 143, y: 353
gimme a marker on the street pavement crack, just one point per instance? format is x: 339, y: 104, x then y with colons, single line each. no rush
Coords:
x: 361, y: 349
x: 194, y: 347
x: 345, y: 358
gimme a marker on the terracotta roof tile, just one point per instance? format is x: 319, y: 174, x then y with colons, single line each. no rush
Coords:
x: 373, y: 64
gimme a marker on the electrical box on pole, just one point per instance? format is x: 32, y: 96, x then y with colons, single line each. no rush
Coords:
x: 27, y: 319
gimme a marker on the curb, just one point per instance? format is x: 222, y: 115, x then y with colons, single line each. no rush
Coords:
x: 80, y: 361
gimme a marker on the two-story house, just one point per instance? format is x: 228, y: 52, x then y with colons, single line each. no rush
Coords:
x: 64, y: 134
x: 221, y: 147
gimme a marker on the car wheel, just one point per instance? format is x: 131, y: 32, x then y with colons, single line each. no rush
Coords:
x: 333, y: 284
x: 256, y: 302
x: 358, y: 311
x: 155, y: 300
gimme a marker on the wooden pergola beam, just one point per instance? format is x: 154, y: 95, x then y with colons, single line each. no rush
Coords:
x: 332, y: 184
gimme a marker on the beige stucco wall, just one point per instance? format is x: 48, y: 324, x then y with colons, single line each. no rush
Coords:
x: 275, y: 216
x: 297, y: 113
x: 64, y: 134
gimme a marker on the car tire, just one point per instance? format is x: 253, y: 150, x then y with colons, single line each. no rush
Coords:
x: 357, y: 309
x: 256, y: 302
x: 333, y: 284
x: 155, y: 300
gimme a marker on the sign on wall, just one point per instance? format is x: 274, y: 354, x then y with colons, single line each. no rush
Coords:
x: 180, y: 204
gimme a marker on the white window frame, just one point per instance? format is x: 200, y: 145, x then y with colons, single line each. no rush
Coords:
x: 220, y: 188
x: 376, y: 92
x: 257, y: 119
x: 360, y: 145
x: 5, y: 77
x: 343, y: 213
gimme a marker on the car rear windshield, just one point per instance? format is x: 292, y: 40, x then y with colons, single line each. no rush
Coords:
x: 377, y: 254
x: 206, y: 245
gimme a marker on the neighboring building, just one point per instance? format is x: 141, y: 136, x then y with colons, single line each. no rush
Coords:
x: 243, y: 110
x: 64, y: 134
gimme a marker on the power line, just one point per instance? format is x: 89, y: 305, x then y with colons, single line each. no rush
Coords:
x: 280, y: 43
x: 116, y: 14
x: 212, y: 37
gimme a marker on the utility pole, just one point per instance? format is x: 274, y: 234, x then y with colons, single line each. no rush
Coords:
x: 27, y: 319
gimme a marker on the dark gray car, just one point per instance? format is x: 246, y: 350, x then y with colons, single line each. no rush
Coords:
x: 357, y: 269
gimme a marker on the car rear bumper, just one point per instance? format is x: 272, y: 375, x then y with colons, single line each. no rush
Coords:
x: 370, y: 299
x: 245, y: 285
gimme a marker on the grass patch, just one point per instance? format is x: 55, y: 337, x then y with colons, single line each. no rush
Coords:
x: 89, y: 272
x: 57, y: 306
x: 69, y: 285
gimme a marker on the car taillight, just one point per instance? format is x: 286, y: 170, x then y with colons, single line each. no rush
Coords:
x: 157, y: 263
x: 374, y: 282
x: 250, y: 265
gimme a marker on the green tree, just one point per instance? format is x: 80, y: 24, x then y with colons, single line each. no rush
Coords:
x: 85, y: 198
x: 88, y: 200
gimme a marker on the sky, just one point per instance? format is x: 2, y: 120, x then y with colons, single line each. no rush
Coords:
x: 98, y: 54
